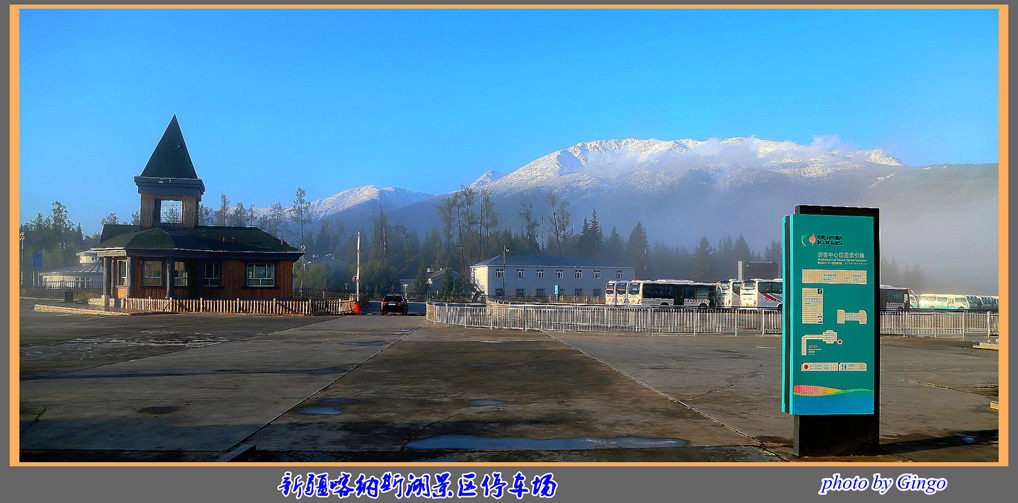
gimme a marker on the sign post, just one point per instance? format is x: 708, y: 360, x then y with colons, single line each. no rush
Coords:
x: 36, y: 268
x: 831, y: 330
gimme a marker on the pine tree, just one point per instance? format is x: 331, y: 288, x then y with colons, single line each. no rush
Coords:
x: 638, y: 251
x: 702, y: 261
x: 615, y: 246
x: 222, y: 215
x: 300, y: 212
x: 742, y: 252
x: 420, y: 286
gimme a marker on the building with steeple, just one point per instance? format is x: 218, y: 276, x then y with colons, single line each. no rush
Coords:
x: 170, y: 255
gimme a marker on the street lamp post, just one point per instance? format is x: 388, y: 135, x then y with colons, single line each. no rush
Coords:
x: 303, y: 267
x: 505, y: 251
x: 22, y: 268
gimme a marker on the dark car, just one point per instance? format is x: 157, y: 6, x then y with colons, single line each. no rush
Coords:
x: 395, y: 304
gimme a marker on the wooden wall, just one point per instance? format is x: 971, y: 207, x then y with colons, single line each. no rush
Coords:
x: 234, y: 277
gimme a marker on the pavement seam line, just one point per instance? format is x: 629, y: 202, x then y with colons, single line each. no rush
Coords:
x: 117, y: 334
x: 36, y: 420
x: 248, y: 439
x: 931, y: 385
x: 759, y: 443
x: 732, y: 382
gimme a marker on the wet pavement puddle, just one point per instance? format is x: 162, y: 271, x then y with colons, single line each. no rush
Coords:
x: 473, y: 442
x: 326, y: 407
x: 485, y: 403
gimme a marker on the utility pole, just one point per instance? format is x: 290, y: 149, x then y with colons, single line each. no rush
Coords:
x: 358, y: 283
x: 505, y: 250
x: 303, y: 267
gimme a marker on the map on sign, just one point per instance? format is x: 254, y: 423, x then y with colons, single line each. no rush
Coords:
x: 834, y: 277
x: 829, y: 337
x: 859, y: 317
x: 812, y: 306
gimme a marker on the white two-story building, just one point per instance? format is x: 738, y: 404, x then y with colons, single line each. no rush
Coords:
x: 534, y: 276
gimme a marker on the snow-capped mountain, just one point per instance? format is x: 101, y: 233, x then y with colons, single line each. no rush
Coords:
x: 385, y: 198
x: 681, y: 190
x: 486, y: 178
x: 641, y: 164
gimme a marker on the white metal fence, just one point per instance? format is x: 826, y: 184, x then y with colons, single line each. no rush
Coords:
x: 940, y: 323
x: 601, y: 318
x: 249, y: 306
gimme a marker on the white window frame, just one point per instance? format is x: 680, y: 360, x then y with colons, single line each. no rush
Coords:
x: 499, y: 272
x: 578, y: 274
x: 122, y: 272
x: 253, y: 280
x: 540, y: 273
x: 618, y: 274
x: 597, y: 275
x: 519, y: 273
x: 558, y: 273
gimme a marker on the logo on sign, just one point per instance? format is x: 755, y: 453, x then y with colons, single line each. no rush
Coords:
x: 810, y: 239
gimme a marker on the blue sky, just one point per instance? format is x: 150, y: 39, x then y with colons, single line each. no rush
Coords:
x: 327, y: 100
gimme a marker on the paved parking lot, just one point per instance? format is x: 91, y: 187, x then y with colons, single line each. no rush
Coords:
x: 397, y: 388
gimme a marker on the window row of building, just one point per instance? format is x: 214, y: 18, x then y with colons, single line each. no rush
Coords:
x: 542, y: 292
x: 540, y: 276
x: 559, y: 273
x: 257, y: 275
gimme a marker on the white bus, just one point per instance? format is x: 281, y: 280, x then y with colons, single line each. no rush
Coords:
x: 943, y: 301
x: 728, y: 293
x: 615, y: 293
x: 893, y: 298
x: 762, y: 294
x: 609, y: 293
x: 672, y: 292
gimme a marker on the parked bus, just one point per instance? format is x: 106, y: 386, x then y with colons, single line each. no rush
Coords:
x: 989, y: 302
x: 893, y: 298
x: 728, y: 293
x: 672, y: 292
x: 620, y: 294
x: 762, y: 294
x: 943, y: 301
x: 609, y: 293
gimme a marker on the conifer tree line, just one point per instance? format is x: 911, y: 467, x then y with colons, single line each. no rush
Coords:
x: 470, y: 231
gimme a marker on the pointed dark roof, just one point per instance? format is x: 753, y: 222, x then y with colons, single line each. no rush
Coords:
x: 170, y: 158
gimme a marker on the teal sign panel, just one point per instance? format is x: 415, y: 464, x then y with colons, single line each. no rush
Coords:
x: 829, y: 334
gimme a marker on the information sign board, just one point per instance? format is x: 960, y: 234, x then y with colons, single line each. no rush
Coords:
x: 830, y: 330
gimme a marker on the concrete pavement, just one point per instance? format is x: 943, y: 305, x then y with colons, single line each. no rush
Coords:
x: 395, y: 388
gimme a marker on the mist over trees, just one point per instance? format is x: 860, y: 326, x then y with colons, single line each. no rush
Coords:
x: 57, y: 238
x: 470, y: 231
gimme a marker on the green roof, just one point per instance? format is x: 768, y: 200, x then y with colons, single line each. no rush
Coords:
x: 170, y: 158
x: 218, y: 239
